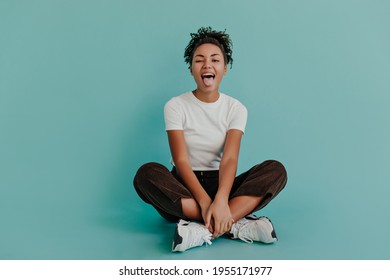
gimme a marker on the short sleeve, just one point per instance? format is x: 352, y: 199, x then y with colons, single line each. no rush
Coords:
x: 238, y: 117
x: 173, y: 116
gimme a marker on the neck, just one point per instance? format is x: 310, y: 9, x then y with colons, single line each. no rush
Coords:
x: 208, y: 97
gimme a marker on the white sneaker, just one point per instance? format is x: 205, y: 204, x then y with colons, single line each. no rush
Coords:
x: 252, y: 228
x: 189, y: 235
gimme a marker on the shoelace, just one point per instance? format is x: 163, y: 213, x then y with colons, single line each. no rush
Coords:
x: 205, y: 237
x: 243, y: 234
x: 243, y: 230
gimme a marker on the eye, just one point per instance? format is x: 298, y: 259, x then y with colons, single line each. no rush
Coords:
x: 215, y: 60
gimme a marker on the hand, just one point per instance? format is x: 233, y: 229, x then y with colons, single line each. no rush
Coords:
x: 204, y: 207
x: 219, y: 216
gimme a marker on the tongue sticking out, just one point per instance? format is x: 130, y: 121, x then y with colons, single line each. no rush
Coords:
x: 208, y: 81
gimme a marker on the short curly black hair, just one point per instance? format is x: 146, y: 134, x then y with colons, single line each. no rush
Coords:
x: 206, y: 35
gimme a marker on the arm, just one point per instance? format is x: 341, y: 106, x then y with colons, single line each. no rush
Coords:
x: 180, y: 158
x: 219, y: 210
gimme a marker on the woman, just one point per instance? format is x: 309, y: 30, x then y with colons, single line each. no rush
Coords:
x: 204, y: 130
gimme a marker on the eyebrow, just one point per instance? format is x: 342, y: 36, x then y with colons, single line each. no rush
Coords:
x: 201, y: 55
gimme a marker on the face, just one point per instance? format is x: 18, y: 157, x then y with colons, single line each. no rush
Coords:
x: 208, y: 68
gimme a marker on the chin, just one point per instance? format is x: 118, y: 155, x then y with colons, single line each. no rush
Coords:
x: 210, y: 90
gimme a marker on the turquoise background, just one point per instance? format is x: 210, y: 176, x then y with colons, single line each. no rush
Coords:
x: 82, y: 89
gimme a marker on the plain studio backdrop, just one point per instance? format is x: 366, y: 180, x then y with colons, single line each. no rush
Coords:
x: 82, y: 90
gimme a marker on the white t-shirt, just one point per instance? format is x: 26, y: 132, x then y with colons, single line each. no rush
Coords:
x: 205, y: 126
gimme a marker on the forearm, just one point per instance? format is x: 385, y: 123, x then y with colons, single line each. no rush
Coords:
x: 227, y: 174
x: 219, y: 212
x: 192, y: 183
x: 180, y: 157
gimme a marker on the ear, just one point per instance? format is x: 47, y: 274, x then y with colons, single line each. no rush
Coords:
x: 192, y: 74
x: 225, y: 69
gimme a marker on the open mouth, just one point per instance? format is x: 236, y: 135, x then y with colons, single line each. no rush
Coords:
x: 208, y: 79
x: 208, y: 76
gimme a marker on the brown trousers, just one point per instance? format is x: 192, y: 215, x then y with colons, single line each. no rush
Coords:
x: 164, y: 189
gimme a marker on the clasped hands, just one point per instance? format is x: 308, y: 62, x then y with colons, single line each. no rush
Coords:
x: 217, y: 216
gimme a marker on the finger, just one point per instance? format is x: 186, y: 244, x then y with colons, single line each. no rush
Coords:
x: 208, y: 218
x: 217, y: 229
x: 230, y: 224
x: 211, y: 228
x: 221, y: 228
x: 211, y: 225
x: 227, y: 227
